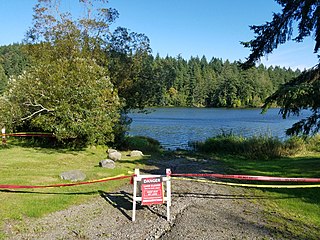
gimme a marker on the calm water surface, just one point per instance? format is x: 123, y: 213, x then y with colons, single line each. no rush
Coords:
x: 175, y: 127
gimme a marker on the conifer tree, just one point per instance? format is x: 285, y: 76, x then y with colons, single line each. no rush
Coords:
x: 303, y: 91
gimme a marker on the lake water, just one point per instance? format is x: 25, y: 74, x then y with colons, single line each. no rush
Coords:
x: 175, y: 127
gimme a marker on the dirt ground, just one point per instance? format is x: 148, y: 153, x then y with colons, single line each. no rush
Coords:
x: 198, y: 211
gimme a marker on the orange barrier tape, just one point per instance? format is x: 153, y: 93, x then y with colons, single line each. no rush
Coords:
x: 248, y: 177
x: 246, y: 185
x: 119, y: 177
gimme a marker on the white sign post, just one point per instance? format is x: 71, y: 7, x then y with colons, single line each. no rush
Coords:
x: 152, y: 191
x: 3, y: 131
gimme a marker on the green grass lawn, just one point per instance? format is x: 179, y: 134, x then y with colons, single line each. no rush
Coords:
x: 290, y: 212
x: 41, y: 166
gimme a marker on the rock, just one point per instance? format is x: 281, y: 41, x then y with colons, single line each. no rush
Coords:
x: 107, y: 163
x: 110, y: 150
x: 114, y: 155
x: 136, y: 153
x: 73, y: 175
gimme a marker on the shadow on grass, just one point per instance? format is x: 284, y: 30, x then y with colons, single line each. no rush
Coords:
x: 306, y: 195
x: 299, y: 167
x: 49, y: 147
x: 288, y: 167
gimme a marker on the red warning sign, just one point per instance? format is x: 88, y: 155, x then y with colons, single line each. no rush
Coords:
x: 152, y: 191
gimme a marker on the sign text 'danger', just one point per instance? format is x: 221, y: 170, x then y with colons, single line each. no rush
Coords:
x: 152, y: 191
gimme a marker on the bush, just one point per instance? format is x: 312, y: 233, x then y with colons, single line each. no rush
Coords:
x: 263, y: 147
x: 221, y: 144
x: 256, y: 147
x: 313, y: 143
x: 142, y: 143
x: 295, y: 145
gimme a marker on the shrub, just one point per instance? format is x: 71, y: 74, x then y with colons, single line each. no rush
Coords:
x: 313, y: 143
x: 221, y: 144
x: 262, y: 147
x: 295, y: 145
x: 255, y: 147
x: 142, y: 143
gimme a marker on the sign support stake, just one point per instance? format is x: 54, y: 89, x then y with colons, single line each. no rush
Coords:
x: 3, y: 131
x: 135, y: 185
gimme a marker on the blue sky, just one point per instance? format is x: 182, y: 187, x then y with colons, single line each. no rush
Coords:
x: 213, y: 28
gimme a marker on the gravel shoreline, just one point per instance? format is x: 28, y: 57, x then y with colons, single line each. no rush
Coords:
x: 198, y: 211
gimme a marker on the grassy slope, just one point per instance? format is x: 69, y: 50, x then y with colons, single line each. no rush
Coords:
x: 290, y: 212
x: 32, y: 166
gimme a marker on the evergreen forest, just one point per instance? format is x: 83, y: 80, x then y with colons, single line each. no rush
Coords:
x: 175, y: 81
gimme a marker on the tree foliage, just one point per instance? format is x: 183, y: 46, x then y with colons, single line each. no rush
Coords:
x: 303, y: 91
x: 129, y: 67
x: 3, y: 80
x: 304, y: 13
x: 13, y: 61
x: 198, y: 82
x: 65, y: 91
x: 72, y: 99
x: 82, y: 78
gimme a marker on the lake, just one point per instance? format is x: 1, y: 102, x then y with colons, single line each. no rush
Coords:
x: 175, y: 127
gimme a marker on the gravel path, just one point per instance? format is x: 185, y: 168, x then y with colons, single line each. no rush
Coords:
x: 199, y: 211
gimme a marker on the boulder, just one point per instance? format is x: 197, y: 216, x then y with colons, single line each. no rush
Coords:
x: 136, y: 153
x: 73, y: 175
x: 110, y: 150
x: 107, y: 163
x: 114, y: 155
